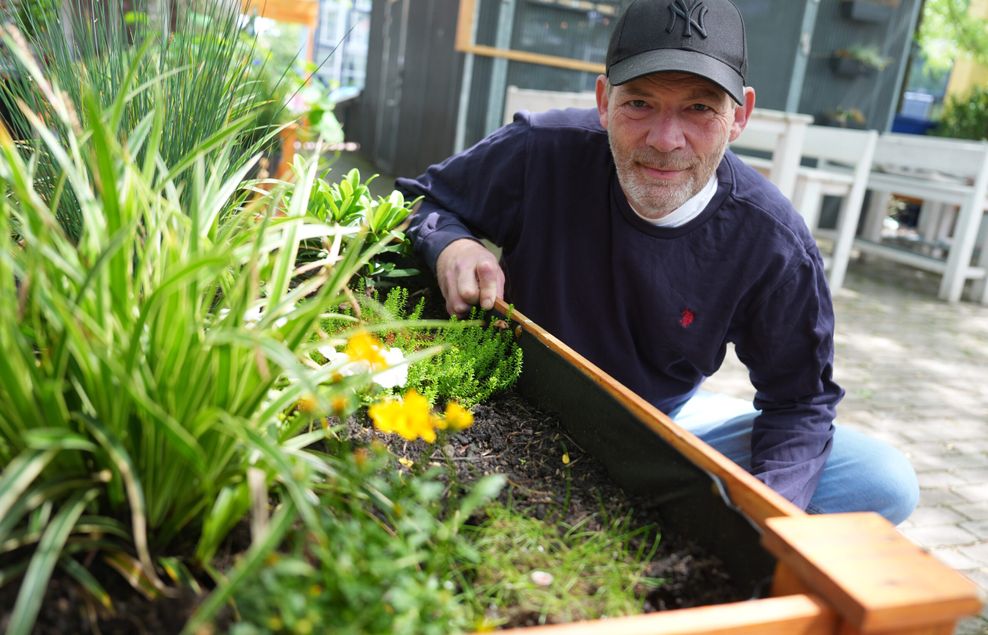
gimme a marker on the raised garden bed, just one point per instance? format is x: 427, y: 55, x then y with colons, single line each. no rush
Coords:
x: 840, y: 573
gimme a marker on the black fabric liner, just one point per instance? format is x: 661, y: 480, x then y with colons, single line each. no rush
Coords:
x: 642, y: 463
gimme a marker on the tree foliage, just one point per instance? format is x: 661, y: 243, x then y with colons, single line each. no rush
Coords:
x: 948, y: 32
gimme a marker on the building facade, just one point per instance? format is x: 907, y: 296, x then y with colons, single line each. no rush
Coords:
x: 438, y: 70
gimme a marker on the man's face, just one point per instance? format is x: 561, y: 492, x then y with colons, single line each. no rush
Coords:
x: 668, y: 132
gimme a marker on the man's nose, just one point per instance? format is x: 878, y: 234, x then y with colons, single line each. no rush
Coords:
x: 666, y: 134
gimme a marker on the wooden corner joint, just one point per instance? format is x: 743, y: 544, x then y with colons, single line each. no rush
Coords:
x: 875, y: 579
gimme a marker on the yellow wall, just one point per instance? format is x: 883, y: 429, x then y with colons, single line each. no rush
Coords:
x: 967, y: 73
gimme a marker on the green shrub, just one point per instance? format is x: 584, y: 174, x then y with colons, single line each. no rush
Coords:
x: 348, y: 203
x: 965, y: 117
x: 392, y: 564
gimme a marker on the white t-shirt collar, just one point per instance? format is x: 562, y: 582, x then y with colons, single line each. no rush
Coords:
x: 688, y: 210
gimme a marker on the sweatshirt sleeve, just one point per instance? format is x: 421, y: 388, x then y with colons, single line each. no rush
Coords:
x: 788, y: 349
x: 474, y: 194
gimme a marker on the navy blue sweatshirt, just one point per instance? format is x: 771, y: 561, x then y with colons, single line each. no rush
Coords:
x: 654, y: 307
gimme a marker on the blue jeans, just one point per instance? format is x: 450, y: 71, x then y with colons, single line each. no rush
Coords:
x: 861, y: 473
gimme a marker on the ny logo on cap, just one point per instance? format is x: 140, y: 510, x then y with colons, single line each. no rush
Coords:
x: 692, y: 13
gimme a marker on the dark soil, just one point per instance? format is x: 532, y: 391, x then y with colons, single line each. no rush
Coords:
x: 510, y: 437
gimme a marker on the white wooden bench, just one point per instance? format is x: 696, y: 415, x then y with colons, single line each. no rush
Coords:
x: 779, y: 135
x: 843, y: 161
x: 938, y: 172
x: 535, y: 100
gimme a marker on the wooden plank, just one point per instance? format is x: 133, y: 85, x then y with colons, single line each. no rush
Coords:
x: 876, y: 579
x: 554, y: 61
x: 464, y: 24
x: 790, y: 615
x: 293, y: 11
x: 465, y: 44
x: 751, y: 496
x: 287, y: 138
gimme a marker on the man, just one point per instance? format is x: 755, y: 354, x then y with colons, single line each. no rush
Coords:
x: 632, y: 235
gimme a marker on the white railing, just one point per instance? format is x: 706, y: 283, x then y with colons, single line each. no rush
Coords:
x: 949, y: 176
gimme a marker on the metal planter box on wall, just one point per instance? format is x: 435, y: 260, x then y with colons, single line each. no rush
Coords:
x: 849, y: 67
x: 813, y: 575
x: 866, y: 10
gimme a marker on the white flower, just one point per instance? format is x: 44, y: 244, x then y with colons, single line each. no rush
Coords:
x: 396, y: 373
x: 394, y: 376
x: 254, y: 314
x: 333, y: 356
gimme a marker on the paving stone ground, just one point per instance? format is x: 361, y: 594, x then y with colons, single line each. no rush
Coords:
x: 915, y: 370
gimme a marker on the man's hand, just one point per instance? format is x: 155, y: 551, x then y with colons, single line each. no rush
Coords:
x: 468, y: 274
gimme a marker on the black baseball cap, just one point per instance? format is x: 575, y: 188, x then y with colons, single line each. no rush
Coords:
x: 703, y: 37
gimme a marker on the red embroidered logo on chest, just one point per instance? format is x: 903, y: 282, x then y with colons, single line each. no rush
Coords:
x: 686, y: 318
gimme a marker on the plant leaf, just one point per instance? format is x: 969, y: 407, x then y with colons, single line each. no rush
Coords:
x: 43, y: 562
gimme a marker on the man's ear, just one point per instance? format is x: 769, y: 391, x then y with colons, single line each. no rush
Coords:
x: 743, y: 113
x: 602, y: 100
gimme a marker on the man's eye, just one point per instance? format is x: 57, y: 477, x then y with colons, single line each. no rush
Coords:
x: 700, y: 107
x: 638, y: 103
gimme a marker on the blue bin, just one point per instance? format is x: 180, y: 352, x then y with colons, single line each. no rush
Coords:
x: 912, y: 125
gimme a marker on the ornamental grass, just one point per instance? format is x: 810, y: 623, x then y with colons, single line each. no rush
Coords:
x: 152, y: 350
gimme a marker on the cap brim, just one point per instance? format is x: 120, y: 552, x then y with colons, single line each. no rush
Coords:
x: 661, y: 60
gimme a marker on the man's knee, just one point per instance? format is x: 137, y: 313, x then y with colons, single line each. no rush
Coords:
x: 865, y: 474
x: 895, y: 489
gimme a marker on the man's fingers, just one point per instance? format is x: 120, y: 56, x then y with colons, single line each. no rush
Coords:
x: 466, y: 281
x: 490, y: 283
x: 449, y: 285
x: 468, y: 275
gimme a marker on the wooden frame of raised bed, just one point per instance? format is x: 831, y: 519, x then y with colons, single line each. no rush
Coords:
x: 839, y: 574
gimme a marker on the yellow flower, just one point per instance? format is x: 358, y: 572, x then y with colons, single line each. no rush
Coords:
x: 307, y: 403
x: 364, y: 346
x: 340, y: 405
x: 385, y: 415
x: 457, y: 417
x: 360, y: 456
x: 411, y: 418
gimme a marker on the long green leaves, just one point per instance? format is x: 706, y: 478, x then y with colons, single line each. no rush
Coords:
x: 39, y: 571
x: 149, y: 353
x: 193, y: 53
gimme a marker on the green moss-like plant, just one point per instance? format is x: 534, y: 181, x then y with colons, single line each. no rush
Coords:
x: 479, y: 358
x: 478, y: 362
x: 533, y: 567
